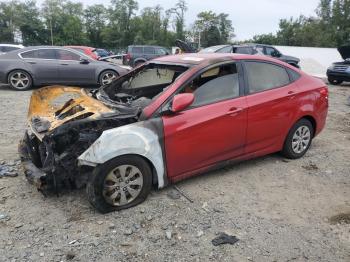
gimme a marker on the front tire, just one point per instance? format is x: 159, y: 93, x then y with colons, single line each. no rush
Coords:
x: 334, y: 81
x: 299, y: 139
x: 107, y: 77
x: 120, y: 183
x: 20, y: 80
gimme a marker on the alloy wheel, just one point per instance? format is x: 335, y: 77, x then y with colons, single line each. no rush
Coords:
x: 20, y: 80
x: 301, y: 139
x: 108, y: 78
x: 122, y: 185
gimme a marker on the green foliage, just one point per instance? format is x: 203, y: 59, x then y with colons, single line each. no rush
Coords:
x: 213, y: 29
x: 64, y: 22
x: 330, y: 28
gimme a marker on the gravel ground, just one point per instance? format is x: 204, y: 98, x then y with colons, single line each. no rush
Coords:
x: 280, y: 210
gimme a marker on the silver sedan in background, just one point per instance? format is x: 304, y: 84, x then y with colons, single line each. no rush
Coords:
x: 46, y: 65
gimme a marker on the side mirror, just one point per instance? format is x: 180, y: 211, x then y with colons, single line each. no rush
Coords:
x: 84, y: 60
x: 181, y: 102
x: 276, y: 54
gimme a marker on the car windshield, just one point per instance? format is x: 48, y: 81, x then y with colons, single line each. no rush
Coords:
x: 146, y: 81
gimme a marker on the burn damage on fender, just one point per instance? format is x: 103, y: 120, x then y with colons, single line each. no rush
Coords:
x: 65, y: 123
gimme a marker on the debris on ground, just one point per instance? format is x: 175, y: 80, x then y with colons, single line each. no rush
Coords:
x: 183, y: 194
x: 310, y: 167
x: 343, y: 218
x: 223, y: 239
x: 168, y: 234
x: 4, y: 217
x: 173, y: 194
x: 7, y: 169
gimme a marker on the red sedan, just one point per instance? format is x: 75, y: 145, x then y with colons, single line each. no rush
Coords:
x: 172, y: 118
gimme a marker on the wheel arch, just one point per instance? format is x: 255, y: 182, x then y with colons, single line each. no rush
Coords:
x: 312, y: 121
x: 140, y: 138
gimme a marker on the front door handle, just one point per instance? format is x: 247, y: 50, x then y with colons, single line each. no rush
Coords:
x: 291, y: 94
x: 234, y: 111
x: 32, y: 62
x: 64, y: 64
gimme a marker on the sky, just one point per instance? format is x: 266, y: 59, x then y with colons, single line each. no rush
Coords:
x: 249, y: 17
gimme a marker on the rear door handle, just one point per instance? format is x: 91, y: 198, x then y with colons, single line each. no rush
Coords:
x: 32, y: 62
x: 64, y: 64
x: 234, y: 111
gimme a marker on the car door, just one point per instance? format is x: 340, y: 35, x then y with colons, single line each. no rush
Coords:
x: 212, y: 129
x: 74, y: 71
x: 272, y: 103
x: 43, y: 65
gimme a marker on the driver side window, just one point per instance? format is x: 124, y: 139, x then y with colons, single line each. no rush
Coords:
x: 214, y: 85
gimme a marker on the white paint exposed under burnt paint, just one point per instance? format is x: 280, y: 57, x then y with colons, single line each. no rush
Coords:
x: 130, y: 139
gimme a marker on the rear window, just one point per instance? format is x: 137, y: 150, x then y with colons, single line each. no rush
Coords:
x: 265, y: 76
x: 137, y: 50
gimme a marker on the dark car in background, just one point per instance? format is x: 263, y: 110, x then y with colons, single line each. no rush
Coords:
x: 339, y: 72
x: 253, y: 49
x: 139, y: 54
x: 42, y: 65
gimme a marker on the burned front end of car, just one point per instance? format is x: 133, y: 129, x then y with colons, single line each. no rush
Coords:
x: 57, y: 135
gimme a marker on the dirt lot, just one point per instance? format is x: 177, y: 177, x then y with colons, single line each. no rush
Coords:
x: 280, y: 210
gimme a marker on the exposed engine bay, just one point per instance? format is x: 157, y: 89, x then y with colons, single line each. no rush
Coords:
x: 66, y: 121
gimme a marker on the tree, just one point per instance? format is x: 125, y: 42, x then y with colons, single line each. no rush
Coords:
x: 213, y: 29
x: 179, y: 10
x: 95, y: 17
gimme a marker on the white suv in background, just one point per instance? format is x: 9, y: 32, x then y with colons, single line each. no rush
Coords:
x: 4, y: 48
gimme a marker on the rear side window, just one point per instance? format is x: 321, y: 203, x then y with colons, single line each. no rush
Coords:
x: 161, y: 51
x: 148, y: 50
x: 30, y: 54
x: 217, y: 84
x: 265, y: 76
x: 137, y: 50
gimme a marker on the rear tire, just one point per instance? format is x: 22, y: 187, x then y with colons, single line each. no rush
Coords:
x: 120, y: 183
x: 20, y: 80
x: 299, y: 139
x: 335, y: 81
x: 107, y: 77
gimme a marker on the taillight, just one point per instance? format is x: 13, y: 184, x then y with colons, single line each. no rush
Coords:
x: 128, y: 57
x: 324, y: 92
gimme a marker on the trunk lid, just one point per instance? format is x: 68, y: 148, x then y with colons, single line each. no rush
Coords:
x: 344, y: 52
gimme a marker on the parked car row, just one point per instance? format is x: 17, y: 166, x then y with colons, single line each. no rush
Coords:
x: 46, y: 65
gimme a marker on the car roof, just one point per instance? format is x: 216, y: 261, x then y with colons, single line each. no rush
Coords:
x: 79, y: 46
x: 146, y: 46
x: 209, y: 58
